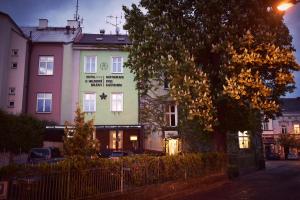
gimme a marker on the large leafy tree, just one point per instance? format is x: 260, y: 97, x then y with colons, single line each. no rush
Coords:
x: 20, y: 133
x: 226, y: 59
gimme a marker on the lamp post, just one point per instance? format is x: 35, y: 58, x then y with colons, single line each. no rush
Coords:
x: 286, y: 4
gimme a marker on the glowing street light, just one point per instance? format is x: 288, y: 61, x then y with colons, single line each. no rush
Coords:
x: 284, y: 5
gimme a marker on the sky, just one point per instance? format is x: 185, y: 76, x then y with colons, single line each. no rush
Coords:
x: 94, y: 13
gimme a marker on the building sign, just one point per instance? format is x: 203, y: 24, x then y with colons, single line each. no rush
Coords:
x: 104, y: 81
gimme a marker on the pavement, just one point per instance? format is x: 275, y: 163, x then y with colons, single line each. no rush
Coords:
x: 280, y: 180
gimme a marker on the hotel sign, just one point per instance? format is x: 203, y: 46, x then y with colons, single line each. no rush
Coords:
x: 104, y: 81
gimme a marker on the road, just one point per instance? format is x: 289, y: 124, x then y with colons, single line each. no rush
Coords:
x: 280, y: 180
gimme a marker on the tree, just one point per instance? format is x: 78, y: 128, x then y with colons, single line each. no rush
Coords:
x: 225, y: 59
x: 78, y: 140
x: 20, y: 133
x: 287, y: 141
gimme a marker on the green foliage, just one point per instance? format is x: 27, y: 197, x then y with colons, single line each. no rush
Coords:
x: 79, y: 143
x: 142, y: 169
x: 217, y: 54
x: 20, y: 133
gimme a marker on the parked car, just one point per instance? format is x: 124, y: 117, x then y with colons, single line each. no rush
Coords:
x: 42, y: 155
x: 292, y: 156
x: 273, y: 156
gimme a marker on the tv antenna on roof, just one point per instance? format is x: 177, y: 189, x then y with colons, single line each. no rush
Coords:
x: 76, y: 16
x: 114, y: 21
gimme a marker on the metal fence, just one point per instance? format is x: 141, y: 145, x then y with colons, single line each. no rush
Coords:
x: 72, y: 184
x: 68, y: 185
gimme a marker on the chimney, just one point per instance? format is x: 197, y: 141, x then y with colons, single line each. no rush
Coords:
x: 68, y: 29
x: 73, y: 23
x: 43, y: 23
x: 102, y: 31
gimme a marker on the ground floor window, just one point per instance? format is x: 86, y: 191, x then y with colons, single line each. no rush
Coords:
x: 244, y: 140
x: 116, y: 139
x: 172, y: 146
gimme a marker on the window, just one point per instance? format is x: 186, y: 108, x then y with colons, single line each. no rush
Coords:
x: 90, y: 64
x: 14, y: 65
x: 244, y: 140
x: 117, y: 65
x: 14, y: 52
x: 296, y: 128
x: 11, y: 104
x: 89, y: 102
x: 46, y: 64
x: 11, y: 91
x: 284, y: 129
x: 44, y: 103
x: 265, y: 126
x: 114, y: 140
x: 171, y: 115
x: 117, y: 102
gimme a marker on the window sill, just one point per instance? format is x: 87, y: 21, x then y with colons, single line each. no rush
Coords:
x: 43, y: 112
x: 45, y: 74
x: 117, y: 72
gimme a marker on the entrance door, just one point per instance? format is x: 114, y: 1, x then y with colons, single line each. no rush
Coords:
x: 116, y: 139
x: 172, y: 146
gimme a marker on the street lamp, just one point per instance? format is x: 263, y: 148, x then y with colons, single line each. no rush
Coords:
x: 286, y: 4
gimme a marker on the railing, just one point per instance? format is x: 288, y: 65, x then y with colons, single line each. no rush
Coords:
x: 67, y: 185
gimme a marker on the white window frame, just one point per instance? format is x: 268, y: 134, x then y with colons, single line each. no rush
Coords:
x: 44, y: 102
x: 114, y: 102
x: 84, y: 102
x: 85, y: 67
x: 244, y: 140
x: 112, y: 65
x: 169, y: 113
x: 11, y: 91
x: 46, y: 61
x: 284, y: 129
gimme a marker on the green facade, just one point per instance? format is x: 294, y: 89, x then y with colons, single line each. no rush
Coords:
x: 105, y: 82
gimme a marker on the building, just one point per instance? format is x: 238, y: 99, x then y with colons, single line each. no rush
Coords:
x: 287, y: 123
x: 159, y: 115
x: 50, y: 71
x: 107, y: 91
x: 13, y: 66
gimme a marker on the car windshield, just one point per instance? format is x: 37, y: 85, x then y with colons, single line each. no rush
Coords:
x: 39, y: 153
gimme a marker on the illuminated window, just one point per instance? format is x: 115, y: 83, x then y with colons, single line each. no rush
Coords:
x: 44, y: 103
x: 296, y: 128
x: 117, y: 102
x: 117, y: 65
x: 284, y: 129
x: 90, y: 64
x: 171, y: 115
x: 114, y: 140
x: 89, y: 102
x: 46, y: 64
x: 244, y: 140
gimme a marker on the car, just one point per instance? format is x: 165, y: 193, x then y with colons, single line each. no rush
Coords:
x: 115, y: 155
x: 273, y: 156
x: 44, y: 155
x: 292, y: 156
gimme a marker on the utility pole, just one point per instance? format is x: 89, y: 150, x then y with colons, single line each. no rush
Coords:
x: 114, y: 21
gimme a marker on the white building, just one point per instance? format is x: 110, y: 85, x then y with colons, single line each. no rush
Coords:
x: 287, y: 123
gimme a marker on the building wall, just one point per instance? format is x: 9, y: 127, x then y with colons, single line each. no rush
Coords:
x: 104, y: 115
x: 75, y: 81
x: 11, y: 38
x: 67, y: 78
x: 48, y: 84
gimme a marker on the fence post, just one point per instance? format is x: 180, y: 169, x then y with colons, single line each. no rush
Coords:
x: 122, y: 178
x: 68, y: 181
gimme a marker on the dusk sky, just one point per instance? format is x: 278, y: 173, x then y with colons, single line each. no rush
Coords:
x: 94, y: 12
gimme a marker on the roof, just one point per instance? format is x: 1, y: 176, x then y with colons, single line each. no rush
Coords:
x: 51, y: 34
x: 104, y: 39
x: 13, y: 22
x: 290, y: 104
